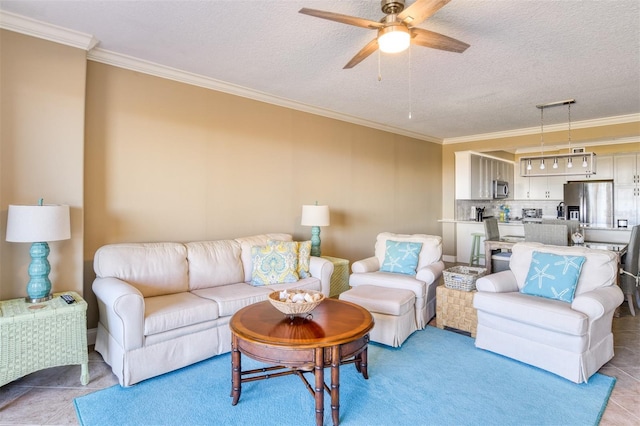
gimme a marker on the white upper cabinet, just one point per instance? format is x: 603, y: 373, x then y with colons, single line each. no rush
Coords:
x: 475, y: 174
x: 626, y: 187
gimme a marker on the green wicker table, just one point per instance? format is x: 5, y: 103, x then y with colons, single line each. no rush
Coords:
x: 42, y: 335
x: 340, y: 276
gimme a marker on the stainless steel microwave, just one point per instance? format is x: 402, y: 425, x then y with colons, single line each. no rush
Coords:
x: 500, y: 189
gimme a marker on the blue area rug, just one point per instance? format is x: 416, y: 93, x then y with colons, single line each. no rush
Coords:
x: 437, y: 378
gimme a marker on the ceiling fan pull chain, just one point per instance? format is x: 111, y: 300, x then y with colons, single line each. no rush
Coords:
x: 379, y: 70
x: 410, y: 87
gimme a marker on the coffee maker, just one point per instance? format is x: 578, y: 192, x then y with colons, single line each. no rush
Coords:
x: 560, y: 210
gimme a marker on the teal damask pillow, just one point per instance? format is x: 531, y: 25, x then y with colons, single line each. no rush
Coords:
x: 401, y: 257
x: 553, y: 276
x: 274, y: 263
x: 304, y: 259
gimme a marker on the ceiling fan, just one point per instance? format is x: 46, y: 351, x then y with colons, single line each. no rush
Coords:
x: 397, y: 29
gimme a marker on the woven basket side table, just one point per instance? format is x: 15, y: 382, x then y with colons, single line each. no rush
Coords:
x: 42, y: 335
x: 454, y: 308
x: 340, y: 277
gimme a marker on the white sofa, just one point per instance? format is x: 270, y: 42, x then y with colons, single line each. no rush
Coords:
x: 164, y: 306
x: 423, y: 283
x: 572, y: 340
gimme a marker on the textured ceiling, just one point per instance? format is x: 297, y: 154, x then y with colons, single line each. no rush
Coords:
x: 522, y: 53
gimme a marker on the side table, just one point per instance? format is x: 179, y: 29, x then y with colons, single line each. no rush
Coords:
x: 340, y: 277
x: 42, y: 335
x: 454, y: 308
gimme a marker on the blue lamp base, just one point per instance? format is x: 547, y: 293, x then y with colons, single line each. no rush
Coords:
x: 315, y: 241
x: 39, y: 286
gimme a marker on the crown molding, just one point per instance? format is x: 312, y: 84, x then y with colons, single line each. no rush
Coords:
x: 585, y: 144
x: 31, y: 27
x: 146, y: 67
x: 606, y: 121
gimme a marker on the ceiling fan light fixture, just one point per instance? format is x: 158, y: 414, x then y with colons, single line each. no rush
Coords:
x: 394, y: 38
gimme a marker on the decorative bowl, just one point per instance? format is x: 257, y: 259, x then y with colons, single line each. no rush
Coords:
x: 283, y: 301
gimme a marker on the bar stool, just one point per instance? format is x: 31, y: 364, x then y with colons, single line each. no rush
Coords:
x: 474, y: 260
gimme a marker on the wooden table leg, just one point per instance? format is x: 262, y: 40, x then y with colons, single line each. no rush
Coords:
x: 236, y: 382
x: 363, y: 361
x: 335, y: 384
x: 319, y: 385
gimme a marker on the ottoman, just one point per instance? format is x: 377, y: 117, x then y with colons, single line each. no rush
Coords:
x: 393, y: 311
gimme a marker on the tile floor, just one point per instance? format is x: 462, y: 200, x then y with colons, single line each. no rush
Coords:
x: 46, y: 397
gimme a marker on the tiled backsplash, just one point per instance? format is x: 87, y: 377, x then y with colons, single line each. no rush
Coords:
x: 492, y: 207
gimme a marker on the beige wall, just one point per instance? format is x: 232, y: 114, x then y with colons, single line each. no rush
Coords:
x: 509, y: 144
x: 42, y: 91
x: 169, y: 161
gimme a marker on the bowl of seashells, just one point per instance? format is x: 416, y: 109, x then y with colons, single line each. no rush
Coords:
x: 292, y: 302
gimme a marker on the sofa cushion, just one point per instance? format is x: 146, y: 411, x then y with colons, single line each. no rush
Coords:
x: 391, y: 280
x: 233, y: 297
x: 401, y: 257
x: 275, y: 263
x: 540, y: 312
x: 164, y: 313
x: 213, y: 263
x: 553, y: 276
x: 256, y: 240
x: 154, y: 269
x: 431, y: 251
x: 599, y: 269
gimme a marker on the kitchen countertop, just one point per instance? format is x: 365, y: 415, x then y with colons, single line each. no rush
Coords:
x: 519, y: 223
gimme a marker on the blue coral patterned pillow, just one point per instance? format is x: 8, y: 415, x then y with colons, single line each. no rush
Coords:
x: 401, y: 257
x: 273, y: 264
x: 553, y: 276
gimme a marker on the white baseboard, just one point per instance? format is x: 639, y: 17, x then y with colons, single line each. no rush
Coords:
x: 91, y: 336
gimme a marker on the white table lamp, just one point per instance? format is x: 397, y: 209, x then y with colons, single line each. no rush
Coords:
x: 315, y: 216
x: 37, y: 225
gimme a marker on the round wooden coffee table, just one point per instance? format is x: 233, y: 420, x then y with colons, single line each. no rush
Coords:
x: 337, y: 334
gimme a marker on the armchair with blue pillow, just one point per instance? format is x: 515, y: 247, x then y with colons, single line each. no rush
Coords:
x: 408, y: 262
x: 552, y: 308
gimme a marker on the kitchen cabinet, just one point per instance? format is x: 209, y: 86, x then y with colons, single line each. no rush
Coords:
x: 540, y: 187
x: 603, y: 167
x: 475, y: 174
x: 626, y: 188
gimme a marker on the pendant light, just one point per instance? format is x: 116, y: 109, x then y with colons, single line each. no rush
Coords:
x: 542, y: 137
x: 556, y: 161
x: 569, y: 161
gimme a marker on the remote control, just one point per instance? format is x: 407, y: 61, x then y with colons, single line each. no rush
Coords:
x: 68, y: 298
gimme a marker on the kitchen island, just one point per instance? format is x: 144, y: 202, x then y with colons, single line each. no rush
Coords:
x: 464, y: 229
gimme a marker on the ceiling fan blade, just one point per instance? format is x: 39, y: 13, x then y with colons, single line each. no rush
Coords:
x: 421, y: 10
x: 427, y: 38
x: 371, y: 47
x: 344, y: 19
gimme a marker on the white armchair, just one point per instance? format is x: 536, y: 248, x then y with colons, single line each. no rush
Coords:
x: 423, y: 283
x: 571, y: 339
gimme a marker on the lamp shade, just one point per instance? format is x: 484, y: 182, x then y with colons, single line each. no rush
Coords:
x: 30, y: 224
x: 315, y: 215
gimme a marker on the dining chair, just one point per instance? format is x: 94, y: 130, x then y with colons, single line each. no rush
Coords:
x: 552, y: 234
x: 629, y: 272
x: 499, y: 259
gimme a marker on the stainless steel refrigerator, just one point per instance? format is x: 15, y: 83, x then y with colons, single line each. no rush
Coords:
x: 590, y: 202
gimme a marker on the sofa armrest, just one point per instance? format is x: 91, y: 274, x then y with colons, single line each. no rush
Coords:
x: 121, y: 308
x: 370, y: 264
x: 430, y: 273
x: 598, y: 302
x: 322, y: 269
x: 500, y: 282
